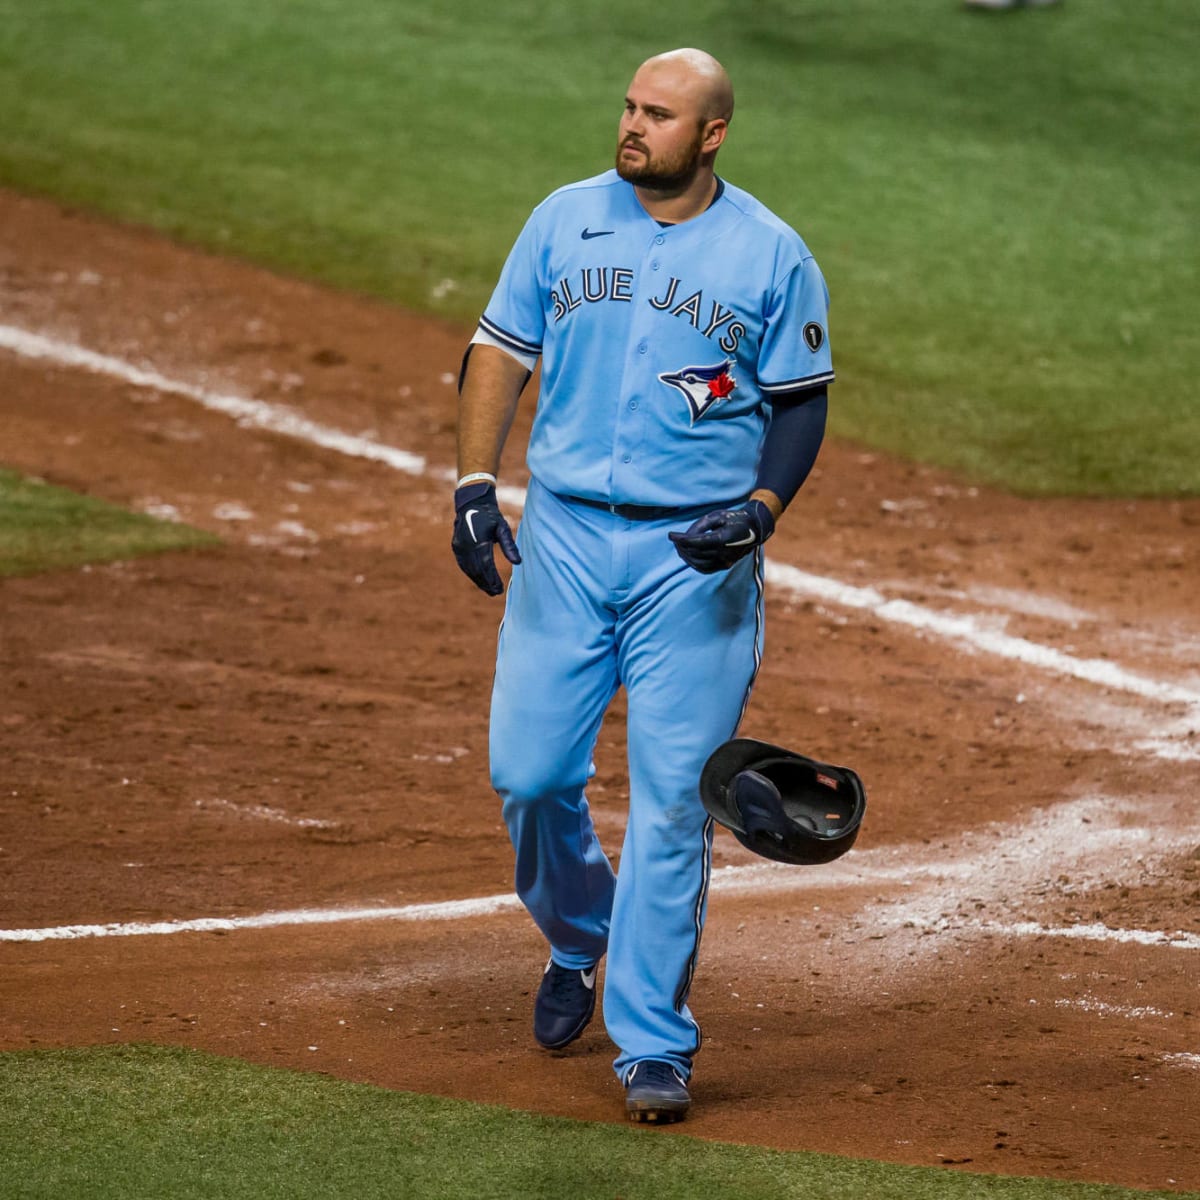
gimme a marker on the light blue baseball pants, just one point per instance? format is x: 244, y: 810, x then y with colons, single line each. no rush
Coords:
x: 598, y: 602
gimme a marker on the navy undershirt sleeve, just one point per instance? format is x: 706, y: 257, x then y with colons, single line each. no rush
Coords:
x: 793, y: 441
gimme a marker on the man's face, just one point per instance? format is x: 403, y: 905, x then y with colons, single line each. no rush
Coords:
x: 663, y: 132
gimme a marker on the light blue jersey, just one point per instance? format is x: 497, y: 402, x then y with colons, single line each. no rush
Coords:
x: 659, y: 344
x: 662, y: 348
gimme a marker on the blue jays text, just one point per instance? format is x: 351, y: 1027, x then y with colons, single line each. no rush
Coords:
x: 598, y: 284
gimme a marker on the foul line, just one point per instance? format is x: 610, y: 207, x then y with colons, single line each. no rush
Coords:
x: 1046, y: 840
x: 968, y: 631
x: 255, y: 414
x: 449, y: 910
x: 484, y: 906
x: 903, y: 866
x: 963, y: 630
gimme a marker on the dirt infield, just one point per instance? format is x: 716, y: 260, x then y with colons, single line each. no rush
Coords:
x: 1001, y: 977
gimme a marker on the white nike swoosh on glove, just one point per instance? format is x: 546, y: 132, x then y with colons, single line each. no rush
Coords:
x: 469, y: 517
x: 748, y: 540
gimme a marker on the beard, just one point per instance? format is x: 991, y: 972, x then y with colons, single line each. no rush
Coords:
x: 666, y: 173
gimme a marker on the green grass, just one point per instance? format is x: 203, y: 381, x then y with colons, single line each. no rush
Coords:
x: 44, y: 528
x: 1004, y: 204
x: 141, y: 1121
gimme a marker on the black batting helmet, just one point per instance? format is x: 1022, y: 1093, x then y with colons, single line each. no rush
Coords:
x: 781, y: 804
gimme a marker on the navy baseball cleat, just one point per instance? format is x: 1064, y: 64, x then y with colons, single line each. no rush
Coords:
x: 655, y: 1091
x: 564, y: 1006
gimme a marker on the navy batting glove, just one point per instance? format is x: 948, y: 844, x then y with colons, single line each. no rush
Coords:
x: 719, y: 539
x: 478, y: 527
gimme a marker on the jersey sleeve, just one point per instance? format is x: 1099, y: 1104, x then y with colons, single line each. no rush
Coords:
x: 794, y: 352
x: 514, y: 316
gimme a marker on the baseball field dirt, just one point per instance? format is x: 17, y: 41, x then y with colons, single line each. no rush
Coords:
x: 1000, y: 977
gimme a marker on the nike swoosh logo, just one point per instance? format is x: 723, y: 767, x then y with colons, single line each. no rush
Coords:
x: 748, y: 540
x: 589, y: 978
x: 588, y: 234
x: 469, y: 517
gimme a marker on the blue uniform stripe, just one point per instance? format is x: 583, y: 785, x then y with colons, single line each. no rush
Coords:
x: 760, y: 613
x: 791, y: 385
x: 685, y: 987
x: 698, y: 926
x: 509, y: 339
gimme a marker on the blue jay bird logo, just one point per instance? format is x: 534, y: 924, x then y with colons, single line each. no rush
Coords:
x: 702, y: 387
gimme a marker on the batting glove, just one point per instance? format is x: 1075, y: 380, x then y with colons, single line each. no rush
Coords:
x: 478, y: 526
x: 719, y: 539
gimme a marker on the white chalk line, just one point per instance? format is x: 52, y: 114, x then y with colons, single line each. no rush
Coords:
x: 1179, y: 940
x: 994, y: 865
x: 256, y: 414
x: 264, y: 812
x: 961, y: 630
x: 1043, y: 845
x: 448, y: 910
x: 1132, y: 1012
x: 967, y: 630
x: 487, y: 906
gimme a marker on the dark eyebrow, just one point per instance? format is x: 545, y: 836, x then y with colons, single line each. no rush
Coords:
x: 654, y: 109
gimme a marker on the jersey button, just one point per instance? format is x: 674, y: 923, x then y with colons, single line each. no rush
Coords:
x: 654, y: 265
x: 633, y: 404
x: 627, y: 458
x: 658, y: 241
x: 642, y: 347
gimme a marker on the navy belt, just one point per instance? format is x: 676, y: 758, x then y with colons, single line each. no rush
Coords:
x: 632, y: 512
x: 647, y: 512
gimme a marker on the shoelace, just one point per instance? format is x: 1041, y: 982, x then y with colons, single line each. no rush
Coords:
x: 566, y: 983
x: 653, y: 1072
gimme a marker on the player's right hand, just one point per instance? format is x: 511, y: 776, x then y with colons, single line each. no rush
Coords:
x: 478, y: 527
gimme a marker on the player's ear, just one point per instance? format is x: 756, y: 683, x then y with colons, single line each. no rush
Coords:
x: 714, y: 134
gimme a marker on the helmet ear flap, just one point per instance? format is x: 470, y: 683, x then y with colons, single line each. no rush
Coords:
x: 766, y: 826
x: 759, y: 804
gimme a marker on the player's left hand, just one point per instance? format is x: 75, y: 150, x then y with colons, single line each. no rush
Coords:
x: 479, y: 526
x: 719, y: 539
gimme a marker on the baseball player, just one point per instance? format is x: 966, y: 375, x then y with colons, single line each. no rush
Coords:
x: 682, y: 333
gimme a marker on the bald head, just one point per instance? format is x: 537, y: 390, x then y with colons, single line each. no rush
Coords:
x: 699, y: 76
